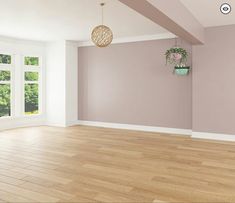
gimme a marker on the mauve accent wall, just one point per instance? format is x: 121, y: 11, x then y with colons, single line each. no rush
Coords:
x: 214, y: 82
x: 130, y: 84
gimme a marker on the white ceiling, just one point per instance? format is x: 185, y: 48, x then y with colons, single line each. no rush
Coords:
x: 50, y: 20
x: 207, y: 12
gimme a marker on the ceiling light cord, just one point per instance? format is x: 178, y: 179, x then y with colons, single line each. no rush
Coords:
x: 102, y: 6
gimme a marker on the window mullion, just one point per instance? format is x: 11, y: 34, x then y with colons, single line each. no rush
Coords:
x: 18, y: 86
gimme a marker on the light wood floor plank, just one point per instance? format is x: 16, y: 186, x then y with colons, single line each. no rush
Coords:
x: 9, y: 197
x: 89, y: 164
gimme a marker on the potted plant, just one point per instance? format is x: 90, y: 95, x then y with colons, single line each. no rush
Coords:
x: 178, y: 57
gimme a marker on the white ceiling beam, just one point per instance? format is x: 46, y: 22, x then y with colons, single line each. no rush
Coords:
x: 171, y: 15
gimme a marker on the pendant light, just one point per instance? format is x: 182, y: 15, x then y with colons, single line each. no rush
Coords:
x: 102, y: 36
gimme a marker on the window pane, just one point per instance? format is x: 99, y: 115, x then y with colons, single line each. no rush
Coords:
x: 5, y: 59
x: 31, y: 76
x: 5, y: 100
x: 31, y: 99
x: 5, y: 75
x: 32, y: 61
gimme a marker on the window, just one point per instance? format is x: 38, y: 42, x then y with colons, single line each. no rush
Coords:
x: 20, y: 85
x: 5, y: 85
x: 31, y: 85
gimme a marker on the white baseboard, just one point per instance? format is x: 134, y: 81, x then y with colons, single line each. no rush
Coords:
x: 137, y: 127
x: 10, y: 123
x: 61, y: 124
x: 213, y: 136
x: 53, y: 124
x: 201, y: 135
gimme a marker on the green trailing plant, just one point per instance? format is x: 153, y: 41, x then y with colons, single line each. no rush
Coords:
x: 176, y: 56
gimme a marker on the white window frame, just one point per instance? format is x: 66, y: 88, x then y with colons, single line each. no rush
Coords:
x: 11, y: 68
x: 33, y: 68
x: 17, y: 82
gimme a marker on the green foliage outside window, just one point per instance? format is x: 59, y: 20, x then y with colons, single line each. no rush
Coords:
x: 32, y: 61
x: 31, y: 76
x: 5, y: 94
x: 31, y: 93
x: 31, y: 98
x: 5, y: 75
x: 5, y: 101
x: 5, y: 59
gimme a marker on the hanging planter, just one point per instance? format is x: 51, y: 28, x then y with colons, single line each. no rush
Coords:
x: 177, y: 56
x: 182, y: 70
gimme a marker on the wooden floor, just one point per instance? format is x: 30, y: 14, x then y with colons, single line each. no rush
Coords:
x: 87, y: 164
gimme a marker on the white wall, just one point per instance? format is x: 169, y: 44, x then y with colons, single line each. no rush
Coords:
x: 22, y: 46
x: 71, y: 83
x: 55, y: 83
x: 61, y: 83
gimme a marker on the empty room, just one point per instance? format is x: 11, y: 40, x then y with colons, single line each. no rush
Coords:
x: 117, y: 101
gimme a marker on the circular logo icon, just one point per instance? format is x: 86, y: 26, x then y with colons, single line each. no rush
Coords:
x: 225, y: 8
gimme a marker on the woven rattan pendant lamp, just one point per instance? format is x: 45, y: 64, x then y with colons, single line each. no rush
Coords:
x: 102, y: 36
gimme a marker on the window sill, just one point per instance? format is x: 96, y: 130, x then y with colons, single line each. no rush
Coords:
x: 20, y: 117
x: 31, y: 116
x: 6, y: 118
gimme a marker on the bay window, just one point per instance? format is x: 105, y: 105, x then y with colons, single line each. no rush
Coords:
x: 20, y: 85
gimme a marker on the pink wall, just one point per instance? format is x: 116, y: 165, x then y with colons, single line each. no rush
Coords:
x: 130, y: 84
x: 214, y: 82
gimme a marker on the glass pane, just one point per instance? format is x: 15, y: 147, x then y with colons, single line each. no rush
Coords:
x: 5, y: 100
x: 5, y: 75
x: 5, y: 59
x: 32, y: 61
x: 31, y: 76
x: 31, y: 99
